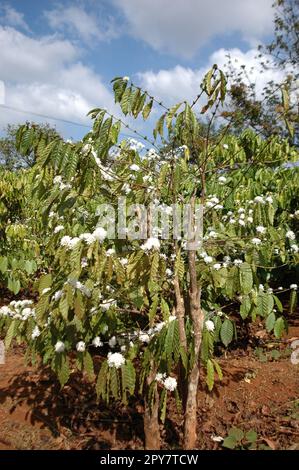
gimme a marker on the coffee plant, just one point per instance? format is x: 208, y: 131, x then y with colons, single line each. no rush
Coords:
x: 150, y: 305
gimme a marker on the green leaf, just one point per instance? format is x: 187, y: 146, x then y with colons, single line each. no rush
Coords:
x: 279, y: 327
x: 10, y: 334
x: 246, y: 279
x: 227, y: 332
x: 163, y: 400
x: 237, y: 433
x: 210, y: 374
x: 147, y: 109
x: 229, y: 442
x: 44, y: 283
x: 251, y: 436
x: 88, y: 365
x: 3, y: 264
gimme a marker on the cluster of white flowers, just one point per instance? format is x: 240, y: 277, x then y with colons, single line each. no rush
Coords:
x: 222, y: 180
x: 98, y: 234
x: 115, y: 360
x: 58, y: 228
x: 78, y: 285
x: 213, y: 201
x: 170, y: 383
x: 35, y: 333
x: 96, y: 342
x: 104, y: 306
x: 58, y: 180
x: 261, y: 229
x: 151, y: 244
x: 81, y: 346
x: 135, y: 145
x: 290, y: 235
x: 210, y: 326
x: 263, y: 199
x: 256, y: 241
x: 294, y: 248
x: 69, y: 242
x: 59, y: 347
x: 18, y: 309
x: 294, y: 286
x: 57, y: 295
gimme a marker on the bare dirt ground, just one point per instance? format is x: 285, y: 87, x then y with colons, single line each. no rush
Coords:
x: 259, y: 391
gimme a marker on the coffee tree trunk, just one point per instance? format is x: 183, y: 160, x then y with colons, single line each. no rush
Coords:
x: 151, y: 420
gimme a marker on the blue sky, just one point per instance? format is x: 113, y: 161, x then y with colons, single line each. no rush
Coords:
x: 57, y: 58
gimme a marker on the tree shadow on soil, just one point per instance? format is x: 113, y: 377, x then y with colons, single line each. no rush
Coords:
x: 74, y: 410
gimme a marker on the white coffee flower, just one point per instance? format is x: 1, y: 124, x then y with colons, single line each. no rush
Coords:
x: 238, y: 262
x: 35, y: 332
x: 88, y: 238
x: 65, y: 240
x: 100, y: 234
x: 80, y: 346
x: 269, y: 199
x: 57, y: 179
x: 144, y: 338
x: 225, y: 146
x: 170, y: 383
x: 168, y: 272
x: 44, y: 291
x: 126, y: 188
x: 58, y: 228
x: 208, y: 259
x: 294, y: 286
x: 290, y: 235
x: 256, y: 241
x: 260, y: 229
x: 134, y: 167
x: 59, y: 347
x: 222, y: 179
x: 5, y: 311
x: 216, y: 266
x: 209, y: 324
x: 171, y: 318
x: 96, y: 342
x: 259, y: 199
x: 294, y: 248
x: 112, y: 342
x: 232, y: 221
x: 115, y: 360
x: 212, y: 234
x: 110, y: 252
x: 107, y: 304
x: 160, y: 377
x: 57, y: 295
x: 250, y: 219
x: 241, y: 222
x: 123, y: 261
x: 151, y: 243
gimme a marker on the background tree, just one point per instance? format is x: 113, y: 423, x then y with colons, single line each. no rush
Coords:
x: 275, y: 111
x: 10, y: 157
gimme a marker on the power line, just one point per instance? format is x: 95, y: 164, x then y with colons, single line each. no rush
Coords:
x: 65, y: 121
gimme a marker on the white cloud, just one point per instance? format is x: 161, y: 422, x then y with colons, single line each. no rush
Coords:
x: 10, y: 16
x: 183, y: 27
x: 181, y: 83
x: 45, y: 76
x: 86, y: 26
